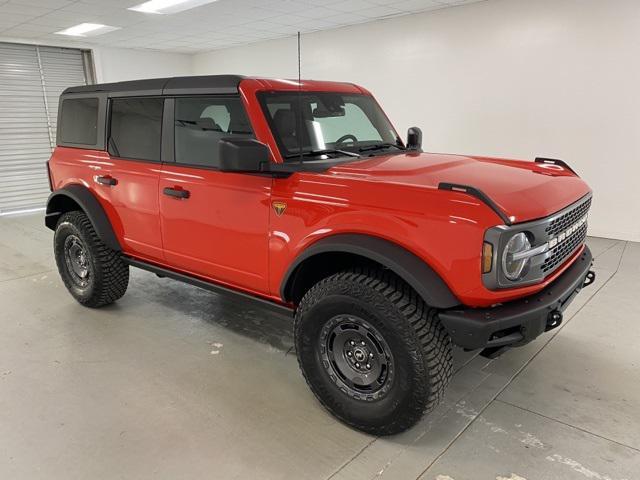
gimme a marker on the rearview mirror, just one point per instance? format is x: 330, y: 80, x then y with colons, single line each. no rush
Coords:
x: 414, y: 139
x: 243, y: 155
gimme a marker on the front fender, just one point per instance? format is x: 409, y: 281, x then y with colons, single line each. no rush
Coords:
x: 412, y: 269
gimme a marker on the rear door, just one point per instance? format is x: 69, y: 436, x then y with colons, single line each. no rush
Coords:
x: 214, y: 224
x: 129, y: 180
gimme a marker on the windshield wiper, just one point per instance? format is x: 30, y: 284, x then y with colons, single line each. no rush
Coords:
x: 327, y: 151
x: 379, y: 146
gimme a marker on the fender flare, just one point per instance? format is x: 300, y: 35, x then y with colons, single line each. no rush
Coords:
x: 88, y: 202
x: 411, y: 268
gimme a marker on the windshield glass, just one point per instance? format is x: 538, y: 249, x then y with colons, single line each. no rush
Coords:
x: 326, y: 123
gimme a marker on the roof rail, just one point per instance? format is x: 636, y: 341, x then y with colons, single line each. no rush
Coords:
x: 202, y: 84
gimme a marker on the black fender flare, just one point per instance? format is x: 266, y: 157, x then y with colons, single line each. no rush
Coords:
x: 411, y: 268
x: 88, y: 202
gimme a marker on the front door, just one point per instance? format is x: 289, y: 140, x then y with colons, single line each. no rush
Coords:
x: 214, y: 224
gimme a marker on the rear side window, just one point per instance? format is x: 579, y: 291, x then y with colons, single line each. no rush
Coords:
x: 79, y: 121
x: 201, y: 122
x: 135, y: 128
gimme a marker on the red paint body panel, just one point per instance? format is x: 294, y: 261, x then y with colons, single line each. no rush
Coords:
x: 132, y: 205
x: 221, y: 230
x: 228, y: 232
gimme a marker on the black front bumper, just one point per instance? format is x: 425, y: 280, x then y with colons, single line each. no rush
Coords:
x: 519, y: 321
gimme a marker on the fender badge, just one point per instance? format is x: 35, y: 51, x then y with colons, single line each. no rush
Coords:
x: 279, y: 207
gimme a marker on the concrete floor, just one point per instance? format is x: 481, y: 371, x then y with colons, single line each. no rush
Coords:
x: 175, y: 382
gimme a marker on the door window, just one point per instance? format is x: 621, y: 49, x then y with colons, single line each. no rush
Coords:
x: 201, y: 122
x: 135, y: 128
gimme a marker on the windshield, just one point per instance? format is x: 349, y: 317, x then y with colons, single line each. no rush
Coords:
x: 316, y: 125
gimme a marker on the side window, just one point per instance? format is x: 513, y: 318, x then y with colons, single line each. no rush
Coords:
x: 79, y: 121
x: 201, y: 122
x: 136, y: 125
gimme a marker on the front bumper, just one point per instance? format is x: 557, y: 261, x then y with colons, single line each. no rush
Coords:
x: 520, y: 321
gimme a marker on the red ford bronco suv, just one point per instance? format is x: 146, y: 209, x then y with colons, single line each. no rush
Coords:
x: 303, y: 196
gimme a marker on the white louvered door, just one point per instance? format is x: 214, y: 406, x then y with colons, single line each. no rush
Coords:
x: 31, y: 80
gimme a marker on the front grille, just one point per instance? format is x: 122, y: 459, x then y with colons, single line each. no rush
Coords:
x: 564, y: 221
x: 555, y: 238
x: 564, y: 249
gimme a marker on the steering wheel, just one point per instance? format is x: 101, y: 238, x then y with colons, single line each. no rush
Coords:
x: 346, y: 137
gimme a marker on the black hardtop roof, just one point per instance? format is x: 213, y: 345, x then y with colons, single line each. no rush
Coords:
x: 206, y: 84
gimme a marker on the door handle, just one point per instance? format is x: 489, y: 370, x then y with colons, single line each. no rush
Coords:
x: 106, y: 180
x: 176, y: 192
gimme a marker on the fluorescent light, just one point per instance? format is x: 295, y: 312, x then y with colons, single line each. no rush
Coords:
x: 87, y: 30
x: 168, y: 6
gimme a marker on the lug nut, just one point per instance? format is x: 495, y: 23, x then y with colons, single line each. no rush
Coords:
x: 370, y: 355
x: 368, y: 365
x: 357, y: 365
x: 349, y: 354
x: 352, y: 342
x: 362, y: 343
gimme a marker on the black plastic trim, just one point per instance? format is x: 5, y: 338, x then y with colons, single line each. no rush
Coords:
x: 479, y: 194
x: 203, y: 84
x: 556, y: 161
x: 205, y: 284
x: 167, y: 149
x: 90, y: 205
x: 412, y: 269
x: 473, y: 328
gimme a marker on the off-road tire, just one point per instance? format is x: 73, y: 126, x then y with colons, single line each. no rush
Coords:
x: 420, y: 347
x: 108, y: 276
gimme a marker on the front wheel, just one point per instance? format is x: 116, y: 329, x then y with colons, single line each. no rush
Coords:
x: 371, y: 351
x: 94, y: 274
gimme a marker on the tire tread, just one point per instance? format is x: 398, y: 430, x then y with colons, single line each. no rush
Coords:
x: 424, y: 330
x: 112, y: 279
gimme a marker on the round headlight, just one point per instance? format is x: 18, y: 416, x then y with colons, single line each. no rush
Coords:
x: 514, y: 269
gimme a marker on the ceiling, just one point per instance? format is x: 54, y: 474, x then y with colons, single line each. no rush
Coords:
x: 221, y: 24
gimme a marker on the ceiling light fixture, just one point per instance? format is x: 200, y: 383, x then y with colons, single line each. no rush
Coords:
x: 168, y: 6
x: 87, y: 30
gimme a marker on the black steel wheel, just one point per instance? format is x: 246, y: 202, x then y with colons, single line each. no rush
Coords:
x: 374, y: 354
x: 358, y: 358
x: 76, y: 259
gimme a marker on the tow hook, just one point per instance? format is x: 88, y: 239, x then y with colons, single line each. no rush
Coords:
x: 553, y: 320
x: 589, y: 279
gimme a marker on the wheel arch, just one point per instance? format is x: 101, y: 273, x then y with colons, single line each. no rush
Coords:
x: 334, y: 253
x: 79, y: 197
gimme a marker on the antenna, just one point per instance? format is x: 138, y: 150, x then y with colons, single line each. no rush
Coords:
x: 299, y: 127
x: 299, y: 62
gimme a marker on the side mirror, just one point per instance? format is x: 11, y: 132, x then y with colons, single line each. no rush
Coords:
x: 414, y: 139
x: 239, y: 154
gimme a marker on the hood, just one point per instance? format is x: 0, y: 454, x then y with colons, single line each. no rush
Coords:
x: 524, y: 190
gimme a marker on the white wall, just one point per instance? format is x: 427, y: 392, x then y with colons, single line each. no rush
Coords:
x: 511, y: 78
x: 116, y: 64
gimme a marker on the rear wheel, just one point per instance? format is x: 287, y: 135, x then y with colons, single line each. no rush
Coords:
x: 371, y: 351
x: 94, y: 274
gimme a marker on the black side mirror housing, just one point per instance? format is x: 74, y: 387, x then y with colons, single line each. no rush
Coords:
x: 246, y: 155
x: 414, y: 139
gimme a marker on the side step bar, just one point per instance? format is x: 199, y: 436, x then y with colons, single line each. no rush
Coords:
x: 206, y: 285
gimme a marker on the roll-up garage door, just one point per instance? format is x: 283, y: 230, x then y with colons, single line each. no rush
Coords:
x: 31, y: 80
